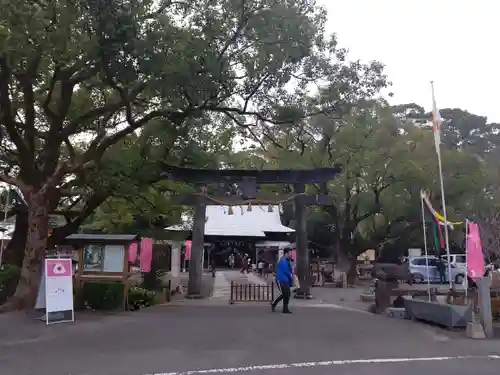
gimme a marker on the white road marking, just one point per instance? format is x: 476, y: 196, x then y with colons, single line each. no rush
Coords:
x: 323, y: 364
x: 326, y: 305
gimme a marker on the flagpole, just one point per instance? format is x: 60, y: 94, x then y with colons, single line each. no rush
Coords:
x: 425, y: 249
x: 436, y: 120
x: 446, y: 236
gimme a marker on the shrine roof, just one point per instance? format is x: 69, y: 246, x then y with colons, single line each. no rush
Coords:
x: 279, y: 244
x: 98, y: 237
x: 242, y: 223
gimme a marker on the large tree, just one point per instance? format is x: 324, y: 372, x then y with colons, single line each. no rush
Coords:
x: 388, y: 156
x: 99, y: 70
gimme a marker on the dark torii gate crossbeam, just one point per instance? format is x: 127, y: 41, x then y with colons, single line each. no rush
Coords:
x: 247, y: 182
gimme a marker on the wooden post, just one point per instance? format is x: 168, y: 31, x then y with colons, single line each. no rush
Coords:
x: 198, y: 240
x: 302, y: 244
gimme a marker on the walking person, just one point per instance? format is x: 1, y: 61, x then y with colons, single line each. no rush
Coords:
x: 441, y: 268
x: 284, y: 281
x: 212, y: 266
x: 260, y: 268
x: 244, y: 264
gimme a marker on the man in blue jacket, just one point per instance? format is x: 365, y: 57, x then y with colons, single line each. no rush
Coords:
x: 284, y: 281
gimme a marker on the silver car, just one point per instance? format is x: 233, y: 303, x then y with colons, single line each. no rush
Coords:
x: 423, y: 269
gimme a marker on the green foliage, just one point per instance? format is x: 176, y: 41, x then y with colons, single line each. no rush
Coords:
x: 388, y: 156
x: 103, y: 296
x: 139, y: 298
x: 9, y: 277
x: 109, y: 296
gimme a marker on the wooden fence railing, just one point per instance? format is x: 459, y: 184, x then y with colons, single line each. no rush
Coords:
x: 251, y: 293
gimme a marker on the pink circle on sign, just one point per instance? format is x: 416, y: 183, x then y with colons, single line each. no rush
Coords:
x: 58, y: 267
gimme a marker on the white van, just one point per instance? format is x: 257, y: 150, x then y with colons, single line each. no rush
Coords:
x: 458, y: 260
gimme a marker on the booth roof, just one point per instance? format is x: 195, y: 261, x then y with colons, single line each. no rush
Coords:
x: 93, y: 237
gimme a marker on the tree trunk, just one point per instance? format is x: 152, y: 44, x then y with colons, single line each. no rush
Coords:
x: 346, y: 258
x: 38, y: 220
x: 14, y: 251
x: 352, y: 273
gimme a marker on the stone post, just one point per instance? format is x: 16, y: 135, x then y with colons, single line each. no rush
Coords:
x: 175, y: 265
x: 484, y: 303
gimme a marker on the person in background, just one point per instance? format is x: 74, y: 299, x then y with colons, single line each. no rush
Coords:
x: 212, y: 266
x: 244, y: 264
x: 441, y: 268
x: 284, y: 282
x: 260, y: 267
x: 231, y: 260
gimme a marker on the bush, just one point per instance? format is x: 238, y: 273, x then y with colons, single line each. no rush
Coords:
x: 9, y: 277
x: 109, y: 296
x: 102, y: 296
x: 139, y: 298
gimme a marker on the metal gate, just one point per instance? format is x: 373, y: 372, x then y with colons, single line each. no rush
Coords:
x: 251, y: 293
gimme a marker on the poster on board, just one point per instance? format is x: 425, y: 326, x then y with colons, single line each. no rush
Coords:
x: 59, y: 291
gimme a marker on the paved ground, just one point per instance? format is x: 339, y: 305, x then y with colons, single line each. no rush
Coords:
x: 165, y: 340
x: 204, y: 337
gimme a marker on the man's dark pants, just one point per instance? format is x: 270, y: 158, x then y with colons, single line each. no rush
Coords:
x: 442, y: 276
x: 284, y: 295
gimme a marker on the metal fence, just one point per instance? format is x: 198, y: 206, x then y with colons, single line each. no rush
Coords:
x: 251, y: 293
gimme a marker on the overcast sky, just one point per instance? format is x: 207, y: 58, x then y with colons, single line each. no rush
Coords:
x: 454, y: 43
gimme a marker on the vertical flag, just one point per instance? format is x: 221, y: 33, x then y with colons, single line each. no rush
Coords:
x: 187, y: 254
x: 474, y: 252
x: 132, y: 252
x: 146, y: 255
x: 436, y: 122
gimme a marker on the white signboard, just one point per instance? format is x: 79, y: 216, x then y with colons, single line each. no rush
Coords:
x: 59, y: 291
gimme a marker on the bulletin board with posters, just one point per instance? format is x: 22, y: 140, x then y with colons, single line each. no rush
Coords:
x: 102, y: 258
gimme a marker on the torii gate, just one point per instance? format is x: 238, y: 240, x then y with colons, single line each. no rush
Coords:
x: 247, y: 182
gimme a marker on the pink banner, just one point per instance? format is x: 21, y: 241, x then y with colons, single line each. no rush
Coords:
x: 59, y: 267
x: 293, y: 255
x: 146, y: 254
x: 475, y: 258
x: 132, y: 252
x: 187, y: 254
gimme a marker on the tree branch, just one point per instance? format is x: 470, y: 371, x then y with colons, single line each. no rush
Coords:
x: 11, y: 181
x: 7, y: 114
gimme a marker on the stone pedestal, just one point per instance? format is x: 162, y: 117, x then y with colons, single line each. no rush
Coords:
x: 475, y: 330
x: 484, y: 304
x: 175, y: 267
x: 397, y: 313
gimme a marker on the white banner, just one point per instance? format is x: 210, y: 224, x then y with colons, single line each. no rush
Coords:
x: 59, y: 291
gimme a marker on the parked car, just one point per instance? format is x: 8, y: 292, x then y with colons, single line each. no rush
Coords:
x: 458, y: 260
x: 423, y: 269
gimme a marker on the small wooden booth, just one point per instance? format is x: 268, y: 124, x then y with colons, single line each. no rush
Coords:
x: 102, y: 258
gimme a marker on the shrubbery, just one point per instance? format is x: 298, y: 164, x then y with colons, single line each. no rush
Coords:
x: 139, y: 298
x: 102, y: 296
x: 109, y: 296
x: 96, y: 296
x: 9, y: 277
